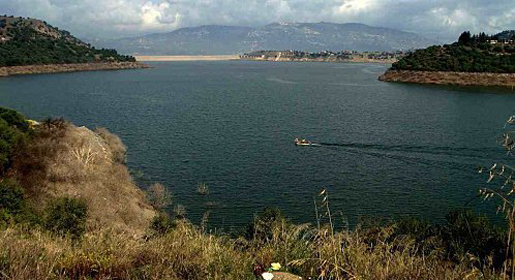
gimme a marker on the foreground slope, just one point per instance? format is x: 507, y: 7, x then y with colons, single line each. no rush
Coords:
x: 68, y: 161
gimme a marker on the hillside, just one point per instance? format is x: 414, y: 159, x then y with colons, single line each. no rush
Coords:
x: 25, y: 41
x: 474, y: 60
x: 478, y: 53
x: 217, y: 39
x: 55, y: 159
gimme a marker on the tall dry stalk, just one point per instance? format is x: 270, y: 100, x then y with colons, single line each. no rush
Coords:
x: 503, y: 173
x: 84, y: 154
x: 324, y: 204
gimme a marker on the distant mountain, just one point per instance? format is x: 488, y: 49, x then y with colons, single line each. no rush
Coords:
x: 217, y: 39
x: 26, y: 41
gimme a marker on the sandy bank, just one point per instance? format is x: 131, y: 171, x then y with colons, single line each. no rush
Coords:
x: 186, y: 57
x: 449, y: 78
x: 58, y: 68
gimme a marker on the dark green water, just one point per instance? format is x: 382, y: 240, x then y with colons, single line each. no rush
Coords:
x: 389, y: 149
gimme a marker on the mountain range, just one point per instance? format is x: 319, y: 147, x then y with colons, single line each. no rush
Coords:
x: 219, y: 39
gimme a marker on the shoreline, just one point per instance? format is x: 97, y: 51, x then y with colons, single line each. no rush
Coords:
x: 63, y: 68
x: 379, y: 61
x: 165, y: 58
x: 449, y: 78
x: 156, y: 58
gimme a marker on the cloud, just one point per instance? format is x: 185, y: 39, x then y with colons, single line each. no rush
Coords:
x: 101, y: 18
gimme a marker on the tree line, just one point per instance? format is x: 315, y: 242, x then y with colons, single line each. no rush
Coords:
x: 26, y: 46
x: 471, y: 53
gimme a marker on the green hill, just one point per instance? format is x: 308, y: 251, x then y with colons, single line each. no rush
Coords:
x: 25, y: 41
x: 471, y: 53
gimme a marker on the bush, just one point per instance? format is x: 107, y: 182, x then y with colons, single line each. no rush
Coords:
x: 15, y: 119
x: 13, y: 135
x: 264, y: 222
x: 66, y: 216
x: 11, y: 197
x: 13, y: 206
x: 158, y: 196
x: 469, y: 233
x: 162, y: 223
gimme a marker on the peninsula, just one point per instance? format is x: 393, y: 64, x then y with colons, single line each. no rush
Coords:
x: 474, y: 60
x: 325, y: 56
x: 31, y: 46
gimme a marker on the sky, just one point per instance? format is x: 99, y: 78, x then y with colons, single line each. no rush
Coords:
x: 435, y: 19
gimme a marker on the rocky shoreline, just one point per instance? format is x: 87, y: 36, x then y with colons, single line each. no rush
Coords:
x: 449, y: 78
x: 60, y: 68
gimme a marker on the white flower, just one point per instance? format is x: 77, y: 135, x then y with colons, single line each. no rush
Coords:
x: 267, y: 276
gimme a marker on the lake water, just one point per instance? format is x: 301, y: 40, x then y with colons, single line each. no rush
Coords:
x: 388, y: 149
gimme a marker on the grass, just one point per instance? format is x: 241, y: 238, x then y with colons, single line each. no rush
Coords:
x: 184, y: 253
x: 187, y: 252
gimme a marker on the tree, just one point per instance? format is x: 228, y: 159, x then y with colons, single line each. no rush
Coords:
x: 465, y: 38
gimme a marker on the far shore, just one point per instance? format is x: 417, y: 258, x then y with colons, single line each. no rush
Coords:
x: 449, y: 78
x: 149, y: 58
x: 74, y: 67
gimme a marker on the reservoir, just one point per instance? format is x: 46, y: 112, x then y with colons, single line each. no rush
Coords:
x: 386, y: 150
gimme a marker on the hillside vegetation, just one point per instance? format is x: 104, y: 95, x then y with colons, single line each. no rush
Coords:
x: 477, y: 53
x: 25, y: 41
x: 69, y: 210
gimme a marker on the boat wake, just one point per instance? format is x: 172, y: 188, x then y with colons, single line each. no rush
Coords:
x: 458, y: 158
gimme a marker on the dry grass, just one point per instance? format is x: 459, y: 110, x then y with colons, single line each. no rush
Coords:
x: 184, y: 253
x: 187, y: 252
x: 320, y: 254
x: 76, y: 162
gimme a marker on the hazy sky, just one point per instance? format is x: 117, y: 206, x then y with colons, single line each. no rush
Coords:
x: 115, y: 18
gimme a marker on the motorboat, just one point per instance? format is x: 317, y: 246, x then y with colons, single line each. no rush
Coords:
x: 304, y: 142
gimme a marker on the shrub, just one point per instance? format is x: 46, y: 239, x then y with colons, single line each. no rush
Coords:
x: 66, y: 216
x: 262, y: 226
x: 162, y: 223
x: 159, y: 196
x: 468, y: 233
x: 11, y: 197
x: 202, y: 189
x: 13, y: 206
x: 13, y: 135
x: 15, y: 119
